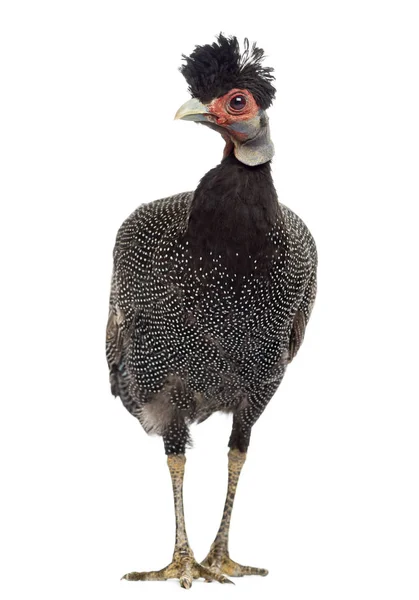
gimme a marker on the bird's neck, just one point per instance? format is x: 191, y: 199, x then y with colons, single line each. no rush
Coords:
x: 257, y: 149
x: 233, y: 209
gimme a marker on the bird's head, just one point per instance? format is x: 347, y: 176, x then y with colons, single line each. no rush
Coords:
x: 230, y: 93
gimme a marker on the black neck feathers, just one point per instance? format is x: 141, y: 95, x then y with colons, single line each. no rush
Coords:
x: 233, y: 209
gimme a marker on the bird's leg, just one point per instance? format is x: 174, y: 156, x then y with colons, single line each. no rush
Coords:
x: 183, y: 566
x: 218, y: 558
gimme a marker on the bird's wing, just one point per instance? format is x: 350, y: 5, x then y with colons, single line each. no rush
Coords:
x: 297, y: 334
x: 140, y: 236
x: 302, y: 316
x: 115, y: 339
x: 301, y: 236
x: 131, y: 259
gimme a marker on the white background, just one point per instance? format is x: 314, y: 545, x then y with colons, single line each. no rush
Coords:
x: 329, y: 497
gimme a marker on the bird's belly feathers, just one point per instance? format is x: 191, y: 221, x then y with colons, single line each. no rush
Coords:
x: 218, y: 333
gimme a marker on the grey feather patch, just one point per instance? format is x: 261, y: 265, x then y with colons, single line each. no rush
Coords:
x: 297, y: 334
x: 173, y: 403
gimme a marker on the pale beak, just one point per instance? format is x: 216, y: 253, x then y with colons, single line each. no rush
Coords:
x: 193, y: 110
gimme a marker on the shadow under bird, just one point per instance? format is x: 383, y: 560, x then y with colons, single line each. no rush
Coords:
x: 211, y: 291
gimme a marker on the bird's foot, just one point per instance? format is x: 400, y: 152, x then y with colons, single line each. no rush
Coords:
x: 219, y: 562
x: 183, y: 567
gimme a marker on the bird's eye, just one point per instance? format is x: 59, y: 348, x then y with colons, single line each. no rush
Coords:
x: 238, y: 102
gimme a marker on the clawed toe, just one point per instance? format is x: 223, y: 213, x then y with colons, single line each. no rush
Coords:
x: 145, y: 576
x: 186, y: 570
x: 221, y: 563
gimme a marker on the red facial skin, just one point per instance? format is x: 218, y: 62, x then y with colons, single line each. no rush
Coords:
x: 224, y: 115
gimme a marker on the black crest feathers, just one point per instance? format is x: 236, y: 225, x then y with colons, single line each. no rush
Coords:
x: 214, y: 69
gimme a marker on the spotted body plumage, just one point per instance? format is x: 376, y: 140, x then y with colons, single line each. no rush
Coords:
x: 187, y: 335
x: 211, y: 292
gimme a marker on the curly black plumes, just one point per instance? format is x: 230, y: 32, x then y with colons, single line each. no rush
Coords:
x: 214, y: 69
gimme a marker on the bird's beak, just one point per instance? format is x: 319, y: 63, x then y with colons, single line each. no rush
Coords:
x: 193, y: 110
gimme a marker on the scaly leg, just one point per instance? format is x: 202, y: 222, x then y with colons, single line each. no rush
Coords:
x: 183, y: 566
x: 218, y: 559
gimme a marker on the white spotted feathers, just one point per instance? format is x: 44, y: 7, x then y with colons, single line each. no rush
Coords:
x: 187, y: 335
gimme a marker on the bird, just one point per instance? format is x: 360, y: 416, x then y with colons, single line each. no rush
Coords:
x: 211, y: 292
